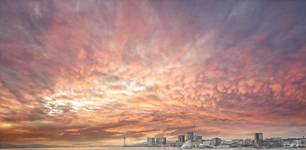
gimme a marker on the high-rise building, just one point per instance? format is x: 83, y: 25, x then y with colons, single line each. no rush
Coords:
x: 190, y: 136
x: 181, y: 139
x: 258, y: 139
x: 151, y: 141
x: 161, y: 141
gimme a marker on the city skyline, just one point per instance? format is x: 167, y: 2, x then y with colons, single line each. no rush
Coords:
x: 93, y: 72
x: 194, y: 140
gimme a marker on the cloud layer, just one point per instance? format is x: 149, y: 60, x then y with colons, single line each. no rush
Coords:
x: 93, y: 71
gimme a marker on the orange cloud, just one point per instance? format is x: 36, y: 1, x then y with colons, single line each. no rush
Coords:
x: 92, y: 72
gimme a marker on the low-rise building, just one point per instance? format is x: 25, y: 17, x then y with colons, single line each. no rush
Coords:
x: 273, y: 142
x: 248, y: 142
x: 236, y: 142
x: 294, y: 142
x: 215, y: 141
x: 198, y: 139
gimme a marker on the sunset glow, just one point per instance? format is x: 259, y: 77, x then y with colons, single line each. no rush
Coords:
x: 91, y: 72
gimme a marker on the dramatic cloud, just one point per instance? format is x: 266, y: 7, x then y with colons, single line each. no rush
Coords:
x: 93, y: 71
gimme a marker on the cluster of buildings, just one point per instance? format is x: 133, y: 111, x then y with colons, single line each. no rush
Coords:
x: 191, y: 139
x: 156, y: 141
x: 189, y: 136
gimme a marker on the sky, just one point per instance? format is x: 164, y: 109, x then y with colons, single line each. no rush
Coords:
x: 90, y: 72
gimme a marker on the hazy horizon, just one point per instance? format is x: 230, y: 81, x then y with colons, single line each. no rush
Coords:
x: 90, y: 72
x: 150, y: 148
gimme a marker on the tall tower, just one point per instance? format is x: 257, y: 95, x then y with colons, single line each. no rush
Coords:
x: 258, y: 139
x: 124, y: 138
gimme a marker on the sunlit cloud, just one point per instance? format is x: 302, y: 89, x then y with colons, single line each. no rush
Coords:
x: 91, y: 72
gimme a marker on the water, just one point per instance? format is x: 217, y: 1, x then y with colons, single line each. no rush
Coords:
x: 141, y: 148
